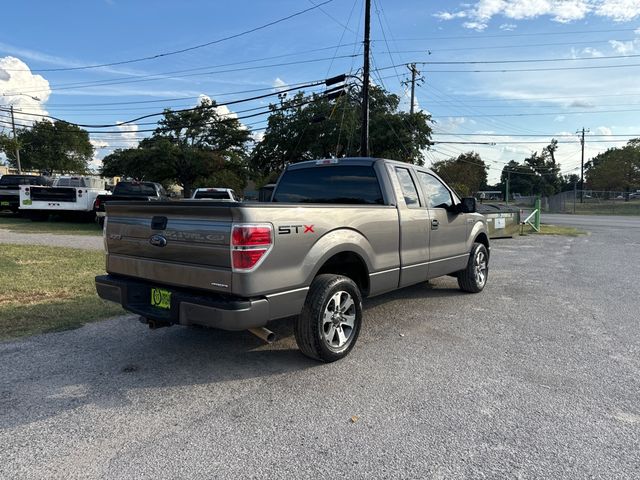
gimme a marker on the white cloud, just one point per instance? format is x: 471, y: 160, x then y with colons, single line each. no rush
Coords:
x: 604, y: 131
x: 129, y: 135
x: 478, y: 26
x: 508, y: 27
x: 619, y: 10
x: 594, y: 52
x: 623, y: 48
x: 581, y: 104
x: 22, y: 89
x: 559, y: 118
x: 481, y: 12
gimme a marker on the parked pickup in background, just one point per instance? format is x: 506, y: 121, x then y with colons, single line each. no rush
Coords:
x: 217, y: 194
x: 10, y: 189
x: 129, y: 192
x: 70, y: 196
x: 334, y: 232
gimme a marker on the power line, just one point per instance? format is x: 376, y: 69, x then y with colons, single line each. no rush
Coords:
x: 631, y: 135
x: 200, y: 107
x: 188, y: 49
x: 102, y: 83
x: 525, y: 60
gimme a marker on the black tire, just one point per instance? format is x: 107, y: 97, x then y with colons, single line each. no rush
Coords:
x: 311, y: 330
x: 101, y: 222
x: 473, y: 278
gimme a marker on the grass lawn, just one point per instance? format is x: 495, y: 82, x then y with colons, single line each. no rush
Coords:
x: 24, y: 225
x: 46, y: 289
x: 555, y: 230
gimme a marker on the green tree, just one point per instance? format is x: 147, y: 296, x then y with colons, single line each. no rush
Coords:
x: 305, y: 128
x: 615, y: 169
x: 57, y: 147
x: 522, y: 178
x: 189, y: 148
x: 548, y: 180
x: 466, y: 173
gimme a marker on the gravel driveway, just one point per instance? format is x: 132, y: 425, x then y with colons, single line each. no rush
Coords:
x: 536, y: 377
x: 87, y: 242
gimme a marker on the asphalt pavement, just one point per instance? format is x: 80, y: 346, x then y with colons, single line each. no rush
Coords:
x: 536, y: 377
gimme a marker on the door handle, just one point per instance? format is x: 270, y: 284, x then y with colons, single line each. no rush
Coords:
x: 435, y: 224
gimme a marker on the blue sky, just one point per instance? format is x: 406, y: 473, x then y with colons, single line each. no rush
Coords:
x: 467, y: 104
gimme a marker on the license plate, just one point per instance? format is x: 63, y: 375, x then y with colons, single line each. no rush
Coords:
x: 4, y: 204
x: 161, y: 298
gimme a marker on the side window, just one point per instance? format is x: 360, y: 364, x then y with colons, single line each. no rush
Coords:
x: 408, y: 188
x: 438, y: 196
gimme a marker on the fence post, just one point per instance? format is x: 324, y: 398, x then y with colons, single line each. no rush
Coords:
x: 537, y: 217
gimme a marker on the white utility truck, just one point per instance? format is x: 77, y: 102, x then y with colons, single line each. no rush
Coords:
x: 69, y: 196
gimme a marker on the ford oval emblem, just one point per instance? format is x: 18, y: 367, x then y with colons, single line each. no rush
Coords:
x: 158, y: 240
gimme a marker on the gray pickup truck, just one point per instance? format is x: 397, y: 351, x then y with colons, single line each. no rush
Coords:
x: 334, y: 232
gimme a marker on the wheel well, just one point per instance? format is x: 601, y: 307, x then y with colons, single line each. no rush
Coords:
x: 483, y: 239
x: 350, y: 265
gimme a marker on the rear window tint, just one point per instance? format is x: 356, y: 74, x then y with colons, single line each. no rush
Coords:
x: 340, y: 184
x: 213, y: 195
x: 135, y: 189
x: 16, y: 180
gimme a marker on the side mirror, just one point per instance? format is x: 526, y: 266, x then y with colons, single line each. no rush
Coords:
x: 468, y: 205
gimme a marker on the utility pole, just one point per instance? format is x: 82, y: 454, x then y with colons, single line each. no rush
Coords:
x: 582, y: 165
x: 364, y: 140
x: 13, y: 125
x: 414, y: 72
x: 508, y: 184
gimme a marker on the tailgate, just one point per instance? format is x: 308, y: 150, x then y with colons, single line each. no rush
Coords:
x: 53, y: 194
x: 174, y: 243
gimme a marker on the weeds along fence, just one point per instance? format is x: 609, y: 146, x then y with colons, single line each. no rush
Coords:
x: 593, y: 202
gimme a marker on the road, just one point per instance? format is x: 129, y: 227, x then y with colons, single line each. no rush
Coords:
x: 536, y: 377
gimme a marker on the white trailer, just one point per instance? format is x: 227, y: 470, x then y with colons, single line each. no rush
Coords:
x: 72, y: 196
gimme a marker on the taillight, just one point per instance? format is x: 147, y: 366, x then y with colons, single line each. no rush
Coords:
x: 96, y: 204
x: 250, y: 244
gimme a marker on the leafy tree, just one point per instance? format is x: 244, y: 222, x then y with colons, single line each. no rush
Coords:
x: 522, y: 178
x: 57, y: 147
x: 303, y: 128
x: 466, y: 174
x: 188, y: 148
x: 615, y: 169
x: 548, y: 180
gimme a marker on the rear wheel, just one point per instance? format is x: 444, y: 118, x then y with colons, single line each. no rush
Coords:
x: 473, y: 278
x: 329, y: 324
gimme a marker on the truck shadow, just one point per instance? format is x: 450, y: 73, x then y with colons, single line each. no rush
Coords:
x: 107, y: 365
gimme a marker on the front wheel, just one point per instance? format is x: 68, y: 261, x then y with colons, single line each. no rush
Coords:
x: 329, y: 324
x: 473, y: 278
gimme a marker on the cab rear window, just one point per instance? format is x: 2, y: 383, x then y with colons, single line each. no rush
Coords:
x: 339, y: 184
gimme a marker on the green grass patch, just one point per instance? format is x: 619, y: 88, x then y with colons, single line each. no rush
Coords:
x: 557, y: 230
x: 612, y: 207
x: 54, y: 225
x: 46, y: 289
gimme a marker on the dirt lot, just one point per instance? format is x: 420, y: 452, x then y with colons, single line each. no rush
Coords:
x: 537, y: 377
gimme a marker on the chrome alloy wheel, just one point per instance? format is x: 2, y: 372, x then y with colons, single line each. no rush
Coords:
x: 339, y: 320
x: 480, y: 268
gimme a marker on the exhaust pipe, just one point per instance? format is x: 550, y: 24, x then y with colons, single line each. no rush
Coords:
x: 263, y: 334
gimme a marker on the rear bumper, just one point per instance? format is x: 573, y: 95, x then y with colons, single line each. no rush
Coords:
x: 9, y: 202
x: 210, y: 310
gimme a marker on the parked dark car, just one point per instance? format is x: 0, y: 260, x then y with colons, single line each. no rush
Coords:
x: 130, y: 192
x: 10, y: 189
